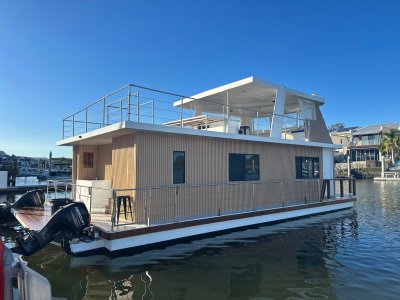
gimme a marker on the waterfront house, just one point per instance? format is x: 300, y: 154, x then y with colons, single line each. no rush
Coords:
x: 364, y: 146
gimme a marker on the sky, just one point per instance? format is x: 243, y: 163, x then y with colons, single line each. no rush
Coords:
x: 58, y: 56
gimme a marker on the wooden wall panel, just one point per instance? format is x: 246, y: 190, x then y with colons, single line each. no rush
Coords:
x: 207, y: 158
x: 104, y: 162
x: 82, y: 172
x: 124, y: 162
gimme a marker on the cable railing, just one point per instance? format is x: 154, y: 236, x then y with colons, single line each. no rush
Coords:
x: 178, y: 203
x: 145, y: 105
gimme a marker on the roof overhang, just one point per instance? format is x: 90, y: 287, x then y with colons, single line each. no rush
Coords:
x: 250, y: 94
x: 105, y: 135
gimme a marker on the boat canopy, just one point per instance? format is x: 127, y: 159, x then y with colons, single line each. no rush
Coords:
x: 250, y: 96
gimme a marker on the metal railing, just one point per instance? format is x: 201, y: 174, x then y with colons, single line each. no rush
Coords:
x: 168, y: 204
x: 373, y: 142
x: 145, y: 105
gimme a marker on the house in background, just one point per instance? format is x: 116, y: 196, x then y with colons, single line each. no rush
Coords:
x: 364, y: 145
x: 342, y: 136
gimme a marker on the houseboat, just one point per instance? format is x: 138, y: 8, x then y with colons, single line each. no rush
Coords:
x: 154, y: 167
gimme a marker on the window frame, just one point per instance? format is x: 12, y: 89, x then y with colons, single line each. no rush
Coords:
x: 257, y: 175
x: 312, y: 162
x: 173, y: 167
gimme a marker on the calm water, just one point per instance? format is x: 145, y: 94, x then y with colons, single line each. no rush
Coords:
x: 353, y: 254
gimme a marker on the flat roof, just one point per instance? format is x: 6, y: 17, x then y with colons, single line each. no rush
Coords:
x: 105, y: 135
x: 250, y: 93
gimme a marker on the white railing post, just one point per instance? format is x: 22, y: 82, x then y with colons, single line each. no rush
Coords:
x: 113, y: 209
x: 138, y: 107
x: 148, y: 207
x: 153, y: 110
x: 129, y: 103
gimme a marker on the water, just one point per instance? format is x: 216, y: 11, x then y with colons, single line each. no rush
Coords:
x: 354, y: 254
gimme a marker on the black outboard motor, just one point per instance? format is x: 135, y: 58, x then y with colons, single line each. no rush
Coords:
x: 33, y: 198
x: 70, y: 220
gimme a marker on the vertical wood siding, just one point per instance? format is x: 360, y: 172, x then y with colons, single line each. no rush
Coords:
x: 207, y: 158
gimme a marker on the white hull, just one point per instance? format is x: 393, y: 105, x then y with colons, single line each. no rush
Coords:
x: 187, y: 232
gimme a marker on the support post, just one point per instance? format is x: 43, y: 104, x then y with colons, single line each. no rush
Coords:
x: 138, y: 107
x: 277, y: 117
x: 104, y: 111
x: 354, y: 186
x: 328, y: 190
x: 258, y: 128
x: 86, y: 113
x: 181, y: 112
x: 129, y: 103
x: 350, y: 182
x: 226, y: 121
x: 153, y: 110
x: 348, y: 166
x: 341, y: 188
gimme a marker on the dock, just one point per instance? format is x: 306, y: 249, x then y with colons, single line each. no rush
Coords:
x: 22, y: 189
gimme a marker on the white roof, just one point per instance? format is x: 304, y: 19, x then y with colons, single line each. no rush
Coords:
x: 250, y: 93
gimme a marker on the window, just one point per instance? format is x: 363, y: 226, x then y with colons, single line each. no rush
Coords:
x: 88, y: 159
x: 244, y: 167
x: 178, y: 167
x: 307, y: 167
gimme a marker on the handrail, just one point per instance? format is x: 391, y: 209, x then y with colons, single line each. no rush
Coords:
x: 103, y: 112
x: 153, y: 205
x: 97, y: 101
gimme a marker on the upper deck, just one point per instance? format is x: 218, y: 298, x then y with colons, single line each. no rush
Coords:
x: 248, y: 107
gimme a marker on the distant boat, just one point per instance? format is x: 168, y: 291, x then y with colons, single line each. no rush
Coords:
x: 55, y: 175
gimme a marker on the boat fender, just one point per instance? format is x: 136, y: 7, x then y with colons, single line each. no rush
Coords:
x: 69, y: 222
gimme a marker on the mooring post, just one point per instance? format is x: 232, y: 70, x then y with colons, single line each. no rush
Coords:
x: 348, y: 166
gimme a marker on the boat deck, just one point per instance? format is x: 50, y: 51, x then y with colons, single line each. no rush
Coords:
x: 33, y: 218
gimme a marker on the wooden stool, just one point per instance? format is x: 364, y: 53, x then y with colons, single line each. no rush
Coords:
x: 124, y: 200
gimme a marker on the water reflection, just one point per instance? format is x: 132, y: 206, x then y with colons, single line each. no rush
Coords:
x: 290, y: 260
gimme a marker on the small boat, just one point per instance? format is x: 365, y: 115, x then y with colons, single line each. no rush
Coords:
x: 30, y: 284
x: 55, y: 175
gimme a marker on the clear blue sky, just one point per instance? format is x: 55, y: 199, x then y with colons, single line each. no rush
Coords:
x: 56, y: 57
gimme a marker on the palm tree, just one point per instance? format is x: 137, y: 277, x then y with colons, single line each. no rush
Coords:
x: 390, y: 143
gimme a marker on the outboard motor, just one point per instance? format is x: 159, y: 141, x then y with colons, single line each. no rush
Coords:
x: 33, y: 198
x: 69, y: 220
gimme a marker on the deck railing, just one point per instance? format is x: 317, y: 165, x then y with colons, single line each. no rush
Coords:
x: 168, y: 204
x: 144, y: 105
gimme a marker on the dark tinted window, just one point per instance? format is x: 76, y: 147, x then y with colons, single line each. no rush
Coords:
x: 179, y: 167
x: 244, y: 167
x: 88, y: 158
x: 307, y: 167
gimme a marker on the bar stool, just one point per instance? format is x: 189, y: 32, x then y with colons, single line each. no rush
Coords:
x: 244, y: 130
x: 125, y: 200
